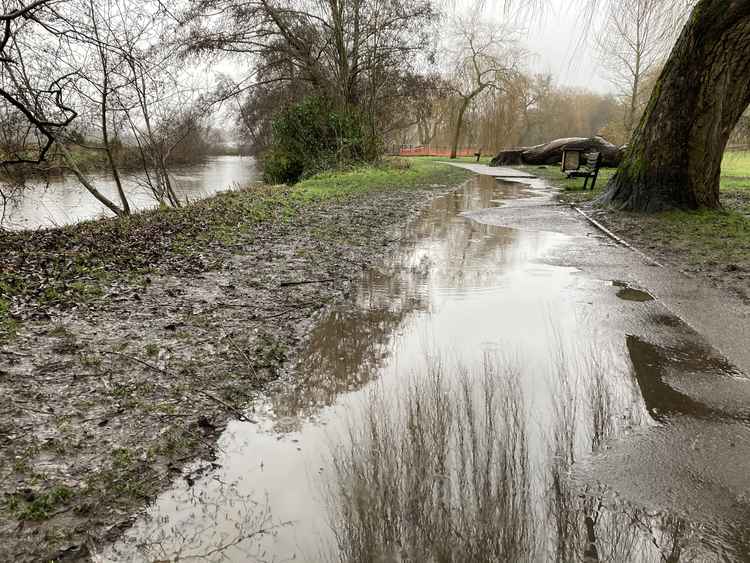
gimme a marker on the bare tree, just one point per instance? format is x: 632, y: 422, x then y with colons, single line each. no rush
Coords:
x: 482, y: 58
x: 350, y: 52
x: 40, y: 108
x: 634, y: 40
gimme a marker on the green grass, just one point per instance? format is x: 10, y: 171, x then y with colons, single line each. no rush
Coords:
x: 736, y: 164
x: 398, y: 173
x: 702, y: 236
x: 39, y: 506
x: 64, y: 266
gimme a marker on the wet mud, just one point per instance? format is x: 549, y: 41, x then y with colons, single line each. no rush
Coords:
x: 506, y: 386
x: 103, y: 406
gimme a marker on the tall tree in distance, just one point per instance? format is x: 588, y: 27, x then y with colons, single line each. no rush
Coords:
x: 482, y: 57
x: 634, y: 40
x: 348, y: 52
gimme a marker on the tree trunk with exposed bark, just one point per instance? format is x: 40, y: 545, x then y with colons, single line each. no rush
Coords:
x: 674, y: 158
x: 459, y: 125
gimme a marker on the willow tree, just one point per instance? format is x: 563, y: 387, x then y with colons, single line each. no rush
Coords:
x: 674, y: 158
x: 482, y: 58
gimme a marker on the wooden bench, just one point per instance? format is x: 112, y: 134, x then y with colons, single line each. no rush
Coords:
x: 588, y: 168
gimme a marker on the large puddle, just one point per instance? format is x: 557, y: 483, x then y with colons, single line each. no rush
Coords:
x: 480, y: 397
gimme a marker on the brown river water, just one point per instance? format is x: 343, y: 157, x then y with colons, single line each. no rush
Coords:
x: 63, y: 201
x: 501, y: 389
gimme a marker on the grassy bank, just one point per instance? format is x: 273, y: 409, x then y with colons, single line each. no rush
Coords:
x: 715, y: 244
x: 41, y: 271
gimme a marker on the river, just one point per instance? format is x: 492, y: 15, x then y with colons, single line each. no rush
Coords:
x: 63, y: 201
x: 503, y: 388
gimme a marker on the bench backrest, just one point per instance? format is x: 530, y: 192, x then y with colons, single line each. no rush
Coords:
x: 593, y: 160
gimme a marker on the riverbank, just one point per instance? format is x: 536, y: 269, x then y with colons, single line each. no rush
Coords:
x: 714, y: 245
x: 128, y: 344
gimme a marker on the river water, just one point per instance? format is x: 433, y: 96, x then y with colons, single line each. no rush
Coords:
x: 501, y: 389
x: 63, y: 201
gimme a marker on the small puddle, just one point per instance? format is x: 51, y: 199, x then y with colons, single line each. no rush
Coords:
x: 439, y: 413
x: 627, y: 293
x: 630, y: 294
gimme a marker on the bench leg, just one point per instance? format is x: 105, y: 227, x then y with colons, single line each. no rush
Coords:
x: 593, y: 181
x: 585, y: 183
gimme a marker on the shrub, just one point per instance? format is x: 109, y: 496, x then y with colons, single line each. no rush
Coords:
x: 311, y: 137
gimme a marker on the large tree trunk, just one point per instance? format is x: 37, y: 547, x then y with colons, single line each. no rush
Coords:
x: 674, y: 158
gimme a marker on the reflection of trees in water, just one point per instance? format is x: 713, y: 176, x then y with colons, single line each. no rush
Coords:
x: 438, y: 473
x: 586, y: 524
x: 216, y: 522
x: 348, y: 348
x: 442, y: 473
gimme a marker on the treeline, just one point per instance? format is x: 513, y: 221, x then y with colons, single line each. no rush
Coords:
x: 529, y: 110
x: 313, y: 85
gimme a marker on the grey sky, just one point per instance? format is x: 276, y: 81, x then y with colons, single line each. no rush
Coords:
x: 559, y: 41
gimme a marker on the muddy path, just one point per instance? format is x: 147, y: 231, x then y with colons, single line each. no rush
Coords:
x: 509, y: 384
x: 103, y: 406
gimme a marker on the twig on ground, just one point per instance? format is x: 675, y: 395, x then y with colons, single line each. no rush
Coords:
x: 234, y: 410
x: 305, y: 282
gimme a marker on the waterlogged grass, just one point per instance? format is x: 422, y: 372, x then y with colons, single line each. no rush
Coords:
x: 65, y: 266
x: 39, y: 506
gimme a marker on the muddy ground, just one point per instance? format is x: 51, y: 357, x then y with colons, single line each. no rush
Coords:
x: 103, y: 404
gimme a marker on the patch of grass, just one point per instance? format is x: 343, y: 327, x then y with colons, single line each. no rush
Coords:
x: 152, y: 350
x: 392, y: 174
x: 8, y: 325
x: 60, y: 331
x: 736, y: 164
x: 90, y: 360
x: 705, y: 236
x: 39, y: 506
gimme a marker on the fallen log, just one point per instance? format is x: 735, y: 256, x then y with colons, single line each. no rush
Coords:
x: 551, y: 153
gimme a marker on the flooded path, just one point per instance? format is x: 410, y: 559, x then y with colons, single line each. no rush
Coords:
x: 509, y: 385
x: 63, y: 201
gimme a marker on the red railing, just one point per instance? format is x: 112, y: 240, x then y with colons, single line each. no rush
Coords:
x: 409, y: 150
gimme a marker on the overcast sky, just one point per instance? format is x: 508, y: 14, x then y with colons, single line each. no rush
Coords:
x: 556, y: 41
x: 559, y: 43
x: 562, y: 49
